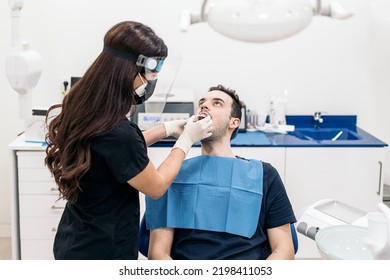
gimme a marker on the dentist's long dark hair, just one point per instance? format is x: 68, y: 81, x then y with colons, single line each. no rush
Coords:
x: 96, y: 104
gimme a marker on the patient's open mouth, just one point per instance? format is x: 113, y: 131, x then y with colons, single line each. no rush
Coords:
x: 200, y: 116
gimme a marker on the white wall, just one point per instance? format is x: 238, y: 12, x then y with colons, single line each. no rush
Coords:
x: 340, y: 67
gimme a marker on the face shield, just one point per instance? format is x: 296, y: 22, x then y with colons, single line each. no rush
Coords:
x: 151, y: 68
x: 164, y: 81
x: 156, y: 83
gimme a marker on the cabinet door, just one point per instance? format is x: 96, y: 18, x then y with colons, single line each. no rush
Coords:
x: 40, y: 206
x: 40, y: 249
x: 349, y: 175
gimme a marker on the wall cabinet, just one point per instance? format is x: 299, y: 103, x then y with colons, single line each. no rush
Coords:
x: 350, y: 175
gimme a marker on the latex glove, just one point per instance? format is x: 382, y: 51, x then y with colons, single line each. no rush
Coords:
x: 174, y: 128
x: 193, y: 132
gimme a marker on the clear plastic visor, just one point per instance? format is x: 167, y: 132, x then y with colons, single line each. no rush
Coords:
x: 165, y: 79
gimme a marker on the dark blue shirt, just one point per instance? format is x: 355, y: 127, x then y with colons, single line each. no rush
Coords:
x: 276, y: 210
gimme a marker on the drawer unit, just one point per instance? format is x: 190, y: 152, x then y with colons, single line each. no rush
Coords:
x: 31, y: 159
x: 40, y: 208
x: 34, y: 175
x: 38, y: 187
x: 37, y: 249
x: 38, y: 228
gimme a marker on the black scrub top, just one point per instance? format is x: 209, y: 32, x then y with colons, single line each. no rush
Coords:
x: 104, y: 222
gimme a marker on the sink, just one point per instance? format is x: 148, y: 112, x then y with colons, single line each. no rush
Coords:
x: 343, y: 242
x: 326, y: 134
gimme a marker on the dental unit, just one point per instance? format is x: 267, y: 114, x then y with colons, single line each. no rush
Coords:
x: 344, y: 232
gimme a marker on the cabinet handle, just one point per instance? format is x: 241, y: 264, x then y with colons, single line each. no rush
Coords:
x: 57, y: 207
x: 53, y: 189
x: 54, y: 229
x: 380, y: 178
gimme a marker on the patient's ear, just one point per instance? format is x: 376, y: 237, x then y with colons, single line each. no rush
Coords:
x: 235, y: 122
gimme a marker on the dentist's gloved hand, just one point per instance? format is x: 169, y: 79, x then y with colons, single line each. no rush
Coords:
x: 193, y: 132
x: 174, y: 128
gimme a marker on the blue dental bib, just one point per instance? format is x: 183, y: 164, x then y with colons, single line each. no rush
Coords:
x: 211, y: 193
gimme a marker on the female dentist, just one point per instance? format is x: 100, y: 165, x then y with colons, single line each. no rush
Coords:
x: 98, y: 157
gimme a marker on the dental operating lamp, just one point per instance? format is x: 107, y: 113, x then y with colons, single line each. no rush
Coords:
x: 261, y: 21
x: 23, y: 66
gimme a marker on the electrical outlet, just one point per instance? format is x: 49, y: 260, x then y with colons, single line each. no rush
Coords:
x: 64, y: 83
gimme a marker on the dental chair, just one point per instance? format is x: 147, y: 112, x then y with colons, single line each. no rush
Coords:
x: 143, y: 238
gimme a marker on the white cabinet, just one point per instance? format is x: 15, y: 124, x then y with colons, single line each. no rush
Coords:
x: 350, y: 175
x: 39, y: 207
x: 35, y: 208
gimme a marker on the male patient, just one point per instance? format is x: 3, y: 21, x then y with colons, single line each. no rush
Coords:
x: 222, y: 206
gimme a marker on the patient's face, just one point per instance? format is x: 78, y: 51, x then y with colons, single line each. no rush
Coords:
x: 218, y: 105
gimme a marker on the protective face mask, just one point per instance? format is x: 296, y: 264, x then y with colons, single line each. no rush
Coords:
x: 144, y: 91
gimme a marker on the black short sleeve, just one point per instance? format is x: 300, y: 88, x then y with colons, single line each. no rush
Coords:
x: 277, y: 204
x: 124, y: 150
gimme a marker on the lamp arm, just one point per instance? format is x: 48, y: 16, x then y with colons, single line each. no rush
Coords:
x: 330, y: 8
x: 16, y: 7
x: 25, y: 105
x: 186, y: 18
x: 23, y: 66
x: 203, y: 15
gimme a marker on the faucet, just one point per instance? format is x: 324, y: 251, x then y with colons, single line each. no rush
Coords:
x: 318, y: 119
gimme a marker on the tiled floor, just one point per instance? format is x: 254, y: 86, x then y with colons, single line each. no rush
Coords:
x: 5, y: 248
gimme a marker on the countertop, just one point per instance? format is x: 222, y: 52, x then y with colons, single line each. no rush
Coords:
x: 261, y: 139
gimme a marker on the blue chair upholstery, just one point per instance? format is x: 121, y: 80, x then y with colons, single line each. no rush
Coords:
x: 294, y: 237
x: 143, y: 238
